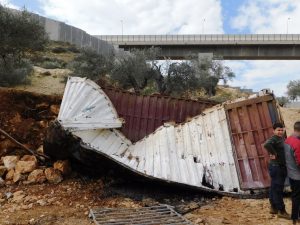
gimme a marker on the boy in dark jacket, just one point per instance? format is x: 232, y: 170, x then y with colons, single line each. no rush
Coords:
x: 277, y: 170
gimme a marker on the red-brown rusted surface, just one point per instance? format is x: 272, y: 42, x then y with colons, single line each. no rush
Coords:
x: 143, y: 114
x: 250, y: 125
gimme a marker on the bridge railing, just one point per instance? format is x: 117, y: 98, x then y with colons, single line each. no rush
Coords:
x: 201, y: 38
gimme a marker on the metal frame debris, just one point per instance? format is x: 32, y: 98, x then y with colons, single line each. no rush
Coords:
x: 154, y: 215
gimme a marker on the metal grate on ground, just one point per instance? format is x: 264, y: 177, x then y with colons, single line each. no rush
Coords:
x: 154, y: 215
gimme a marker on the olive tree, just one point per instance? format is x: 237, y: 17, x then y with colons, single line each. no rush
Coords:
x: 293, y: 89
x: 20, y: 35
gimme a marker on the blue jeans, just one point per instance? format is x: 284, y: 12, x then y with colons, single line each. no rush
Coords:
x: 295, y: 186
x: 278, y: 175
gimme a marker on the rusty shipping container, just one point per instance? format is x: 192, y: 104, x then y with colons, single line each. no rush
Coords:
x: 218, y: 150
x: 144, y: 114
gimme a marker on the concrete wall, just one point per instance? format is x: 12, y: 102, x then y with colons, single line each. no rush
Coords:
x: 59, y: 31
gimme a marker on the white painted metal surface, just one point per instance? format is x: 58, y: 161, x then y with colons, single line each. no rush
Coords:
x: 85, y: 106
x: 184, y: 153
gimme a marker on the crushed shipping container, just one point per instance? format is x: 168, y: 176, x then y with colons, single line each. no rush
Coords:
x: 219, y: 150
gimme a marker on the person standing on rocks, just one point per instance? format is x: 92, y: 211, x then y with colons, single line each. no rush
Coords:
x: 277, y: 170
x: 292, y: 157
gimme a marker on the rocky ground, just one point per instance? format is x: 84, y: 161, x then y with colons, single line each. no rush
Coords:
x: 69, y: 203
x: 65, y: 203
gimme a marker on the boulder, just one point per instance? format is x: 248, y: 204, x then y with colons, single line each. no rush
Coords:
x: 63, y: 166
x: 53, y: 175
x: 37, y: 176
x: 3, y: 170
x: 25, y: 166
x: 10, y: 161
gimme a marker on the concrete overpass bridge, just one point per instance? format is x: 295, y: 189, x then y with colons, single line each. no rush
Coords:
x: 223, y: 46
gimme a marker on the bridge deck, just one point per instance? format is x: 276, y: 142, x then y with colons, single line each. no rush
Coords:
x: 213, y: 39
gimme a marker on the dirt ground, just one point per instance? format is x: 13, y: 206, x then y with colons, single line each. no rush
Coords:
x: 66, y: 203
x: 290, y: 116
x: 69, y: 203
x: 46, y: 81
x: 238, y: 212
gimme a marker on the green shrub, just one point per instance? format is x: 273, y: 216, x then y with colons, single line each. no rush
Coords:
x: 51, y: 63
x: 13, y: 73
x: 59, y: 50
x: 73, y: 49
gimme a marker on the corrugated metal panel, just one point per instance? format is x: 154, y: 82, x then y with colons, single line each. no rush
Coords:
x: 251, y: 125
x: 85, y: 106
x: 199, y: 150
x: 144, y: 114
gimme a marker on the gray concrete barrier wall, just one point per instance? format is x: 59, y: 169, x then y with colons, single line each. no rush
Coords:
x: 59, y: 31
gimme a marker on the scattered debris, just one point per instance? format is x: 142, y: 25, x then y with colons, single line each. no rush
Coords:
x: 159, y: 214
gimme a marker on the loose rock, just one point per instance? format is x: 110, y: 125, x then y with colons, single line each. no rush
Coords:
x: 26, y: 166
x: 10, y: 161
x: 40, y: 149
x: 41, y: 202
x: 54, y: 109
x: 18, y: 196
x: 29, y: 158
x: 37, y: 176
x: 53, y: 175
x: 10, y: 174
x: 63, y: 166
x: 18, y: 177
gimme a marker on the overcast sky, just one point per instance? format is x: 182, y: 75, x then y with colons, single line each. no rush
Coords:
x: 187, y: 17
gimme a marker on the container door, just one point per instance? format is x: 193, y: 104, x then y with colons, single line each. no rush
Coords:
x: 250, y: 124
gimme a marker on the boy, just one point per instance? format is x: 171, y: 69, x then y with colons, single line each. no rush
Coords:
x: 292, y: 155
x: 277, y: 170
